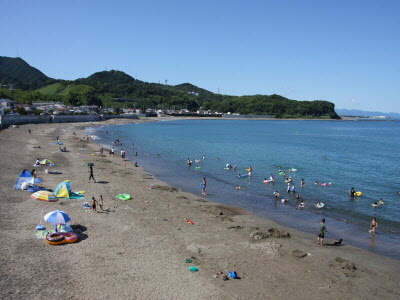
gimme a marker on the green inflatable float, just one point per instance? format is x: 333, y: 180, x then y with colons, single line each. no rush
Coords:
x: 123, y: 197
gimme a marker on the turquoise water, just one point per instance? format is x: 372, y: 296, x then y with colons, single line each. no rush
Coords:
x: 343, y: 154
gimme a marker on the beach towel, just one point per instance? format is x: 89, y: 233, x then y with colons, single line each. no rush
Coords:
x: 41, y: 234
x: 76, y: 196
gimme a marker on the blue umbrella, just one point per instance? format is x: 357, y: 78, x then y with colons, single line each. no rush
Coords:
x: 57, y: 217
x: 34, y: 180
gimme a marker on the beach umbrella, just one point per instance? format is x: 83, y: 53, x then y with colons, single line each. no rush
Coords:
x: 34, y: 180
x: 44, y: 196
x: 46, y: 162
x: 89, y: 164
x: 57, y: 217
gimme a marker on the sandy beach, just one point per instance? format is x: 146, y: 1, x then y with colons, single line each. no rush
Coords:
x: 138, y: 249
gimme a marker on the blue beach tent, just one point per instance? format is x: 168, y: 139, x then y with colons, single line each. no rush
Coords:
x: 24, y: 175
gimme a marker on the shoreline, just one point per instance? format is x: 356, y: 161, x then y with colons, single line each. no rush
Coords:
x: 353, y: 231
x: 146, y: 254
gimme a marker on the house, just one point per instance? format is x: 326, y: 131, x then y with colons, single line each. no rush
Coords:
x: 7, y: 103
x: 27, y: 107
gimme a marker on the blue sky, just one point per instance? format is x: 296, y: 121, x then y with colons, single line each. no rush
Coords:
x: 346, y: 52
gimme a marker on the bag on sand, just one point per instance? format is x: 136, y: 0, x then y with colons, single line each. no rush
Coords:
x: 232, y: 274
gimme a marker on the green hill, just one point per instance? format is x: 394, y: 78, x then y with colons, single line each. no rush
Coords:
x: 101, y: 88
x: 18, y: 71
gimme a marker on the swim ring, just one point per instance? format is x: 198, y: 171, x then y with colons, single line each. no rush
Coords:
x: 324, y: 184
x: 69, y: 237
x: 198, y: 168
x: 55, y: 238
x: 266, y: 181
x: 123, y: 197
x: 320, y: 205
x: 357, y: 194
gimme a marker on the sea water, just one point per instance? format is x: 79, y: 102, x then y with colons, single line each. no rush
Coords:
x: 342, y: 154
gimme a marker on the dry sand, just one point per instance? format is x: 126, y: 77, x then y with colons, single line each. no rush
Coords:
x: 138, y: 248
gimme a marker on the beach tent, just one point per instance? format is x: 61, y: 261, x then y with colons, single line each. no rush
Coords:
x: 63, y: 190
x: 46, y: 162
x: 24, y: 175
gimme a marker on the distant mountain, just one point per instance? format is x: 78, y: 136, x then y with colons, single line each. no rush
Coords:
x: 363, y: 113
x: 17, y: 71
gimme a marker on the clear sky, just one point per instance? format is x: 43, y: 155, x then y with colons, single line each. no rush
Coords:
x: 346, y: 52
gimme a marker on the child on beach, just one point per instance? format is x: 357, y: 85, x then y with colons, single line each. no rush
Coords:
x: 93, y: 204
x: 373, y: 226
x: 321, y: 234
x: 203, y: 186
x: 124, y: 163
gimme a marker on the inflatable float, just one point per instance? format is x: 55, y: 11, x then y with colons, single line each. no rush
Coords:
x: 245, y: 175
x: 320, y: 205
x: 58, y: 238
x: 357, y: 194
x: 266, y: 181
x: 123, y: 197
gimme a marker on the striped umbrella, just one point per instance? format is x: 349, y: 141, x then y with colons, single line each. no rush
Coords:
x: 44, y: 196
x: 57, y: 217
x: 46, y: 162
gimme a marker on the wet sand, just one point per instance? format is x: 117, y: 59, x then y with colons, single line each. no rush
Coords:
x: 137, y: 249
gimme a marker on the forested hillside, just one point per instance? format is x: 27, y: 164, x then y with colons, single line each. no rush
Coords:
x: 19, y: 73
x: 102, y: 88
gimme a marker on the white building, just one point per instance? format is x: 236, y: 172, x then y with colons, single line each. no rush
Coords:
x: 7, y: 103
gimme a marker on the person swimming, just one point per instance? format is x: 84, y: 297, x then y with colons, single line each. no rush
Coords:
x: 375, y: 204
x: 381, y: 201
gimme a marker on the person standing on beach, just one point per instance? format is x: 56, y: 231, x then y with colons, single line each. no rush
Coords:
x: 373, y: 226
x: 91, y: 174
x: 30, y: 132
x: 112, y: 151
x: 203, y: 186
x: 101, y: 202
x: 321, y: 234
x: 93, y: 204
